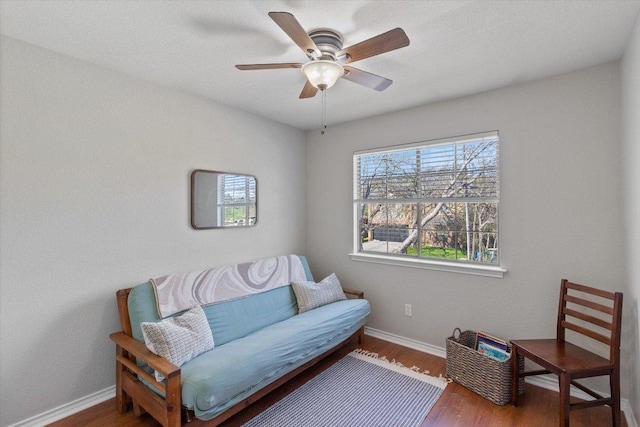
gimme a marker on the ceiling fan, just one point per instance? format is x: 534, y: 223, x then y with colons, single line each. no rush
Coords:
x: 328, y: 59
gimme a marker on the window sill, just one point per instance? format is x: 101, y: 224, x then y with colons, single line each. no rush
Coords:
x: 474, y: 269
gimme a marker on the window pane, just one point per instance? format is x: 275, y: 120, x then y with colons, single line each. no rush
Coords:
x: 251, y: 185
x: 252, y: 214
x: 384, y: 227
x: 482, y: 216
x: 370, y: 216
x: 484, y: 247
x: 385, y: 239
x: 235, y: 215
x: 442, y: 242
x: 372, y: 174
x: 438, y: 171
x: 460, y: 170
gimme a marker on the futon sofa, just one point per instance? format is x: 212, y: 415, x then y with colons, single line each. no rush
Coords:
x: 250, y: 342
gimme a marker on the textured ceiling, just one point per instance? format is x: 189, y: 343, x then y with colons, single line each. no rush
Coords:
x: 457, y: 47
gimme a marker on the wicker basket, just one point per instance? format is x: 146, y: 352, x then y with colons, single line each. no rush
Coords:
x: 479, y: 373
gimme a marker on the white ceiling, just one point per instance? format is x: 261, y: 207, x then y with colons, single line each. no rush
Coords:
x: 457, y: 47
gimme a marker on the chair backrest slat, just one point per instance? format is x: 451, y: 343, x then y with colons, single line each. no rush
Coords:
x: 590, y: 304
x: 593, y: 320
x: 590, y: 290
x: 587, y: 332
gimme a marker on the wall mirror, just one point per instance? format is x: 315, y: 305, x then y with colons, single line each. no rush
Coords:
x: 223, y: 199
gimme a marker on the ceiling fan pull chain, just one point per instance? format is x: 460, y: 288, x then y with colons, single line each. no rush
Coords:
x: 324, y: 111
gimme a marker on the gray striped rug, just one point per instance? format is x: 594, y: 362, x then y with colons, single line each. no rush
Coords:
x: 357, y: 391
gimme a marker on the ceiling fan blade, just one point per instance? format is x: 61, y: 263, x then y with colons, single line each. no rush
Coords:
x: 364, y: 78
x: 268, y: 66
x: 308, y: 91
x: 294, y: 30
x: 382, y: 43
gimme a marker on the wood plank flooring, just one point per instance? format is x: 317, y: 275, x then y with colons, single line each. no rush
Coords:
x: 457, y: 407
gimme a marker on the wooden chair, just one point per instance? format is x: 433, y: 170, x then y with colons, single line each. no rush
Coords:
x: 594, y: 313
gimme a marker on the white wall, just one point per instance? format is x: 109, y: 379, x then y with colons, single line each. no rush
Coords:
x: 94, y: 172
x: 630, y: 82
x: 560, y: 207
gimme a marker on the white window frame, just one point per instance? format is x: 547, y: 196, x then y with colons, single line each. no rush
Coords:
x: 456, y: 266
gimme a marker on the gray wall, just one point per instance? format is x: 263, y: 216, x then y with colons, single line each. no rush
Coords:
x: 560, y: 207
x: 95, y: 171
x: 631, y: 156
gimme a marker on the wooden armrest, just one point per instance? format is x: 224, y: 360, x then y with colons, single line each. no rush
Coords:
x: 139, y: 350
x: 358, y: 294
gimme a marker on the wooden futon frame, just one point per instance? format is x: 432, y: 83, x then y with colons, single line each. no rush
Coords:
x: 131, y: 391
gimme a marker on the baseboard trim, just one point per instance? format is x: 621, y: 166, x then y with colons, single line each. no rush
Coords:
x: 406, y: 342
x: 63, y: 411
x: 540, y: 381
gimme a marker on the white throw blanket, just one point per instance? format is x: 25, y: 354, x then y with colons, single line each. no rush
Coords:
x: 182, y: 291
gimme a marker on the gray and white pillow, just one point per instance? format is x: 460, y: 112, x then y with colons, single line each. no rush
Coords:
x: 311, y: 295
x: 179, y: 339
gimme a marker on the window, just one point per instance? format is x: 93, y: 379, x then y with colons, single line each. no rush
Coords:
x: 431, y: 201
x: 237, y: 203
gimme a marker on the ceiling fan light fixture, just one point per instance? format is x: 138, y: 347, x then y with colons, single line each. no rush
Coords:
x: 322, y: 73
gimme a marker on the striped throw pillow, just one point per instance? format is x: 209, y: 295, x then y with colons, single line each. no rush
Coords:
x: 311, y: 295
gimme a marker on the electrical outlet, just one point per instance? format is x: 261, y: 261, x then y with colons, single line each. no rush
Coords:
x: 407, y: 310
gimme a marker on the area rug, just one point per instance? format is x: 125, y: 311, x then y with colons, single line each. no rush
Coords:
x: 359, y: 390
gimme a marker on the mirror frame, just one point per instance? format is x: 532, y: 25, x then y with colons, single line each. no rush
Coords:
x: 201, y: 198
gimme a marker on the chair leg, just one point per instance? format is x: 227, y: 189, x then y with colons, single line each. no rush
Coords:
x: 614, y: 381
x: 515, y: 377
x: 565, y: 395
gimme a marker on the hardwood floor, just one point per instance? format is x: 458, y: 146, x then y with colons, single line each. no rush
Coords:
x: 457, y: 406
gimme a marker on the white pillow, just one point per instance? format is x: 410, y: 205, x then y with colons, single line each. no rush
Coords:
x: 179, y: 339
x: 311, y: 295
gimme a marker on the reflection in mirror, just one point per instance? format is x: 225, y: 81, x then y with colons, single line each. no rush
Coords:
x: 222, y: 199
